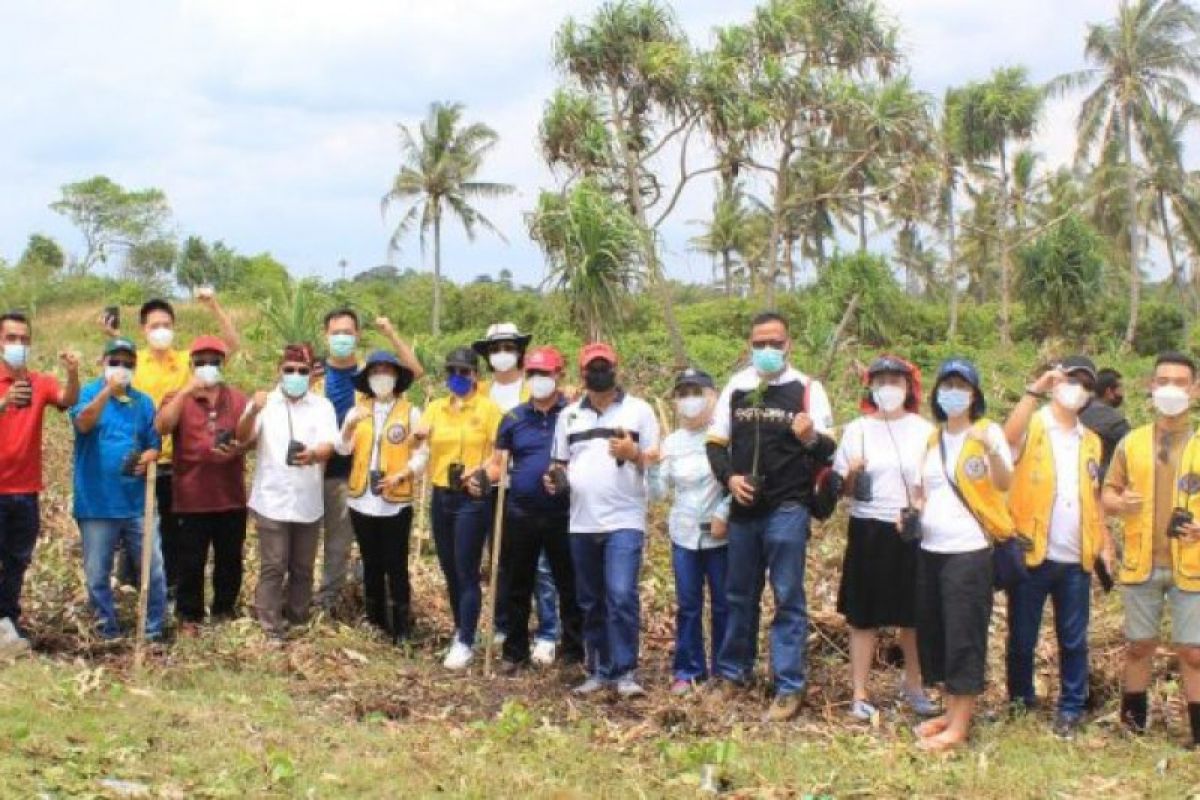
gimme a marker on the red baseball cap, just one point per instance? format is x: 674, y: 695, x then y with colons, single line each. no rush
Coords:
x: 544, y: 359
x: 214, y: 343
x: 591, y: 352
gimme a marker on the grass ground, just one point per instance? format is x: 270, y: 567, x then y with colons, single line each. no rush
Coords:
x: 340, y: 713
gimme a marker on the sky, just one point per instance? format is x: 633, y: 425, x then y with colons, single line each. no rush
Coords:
x: 271, y: 124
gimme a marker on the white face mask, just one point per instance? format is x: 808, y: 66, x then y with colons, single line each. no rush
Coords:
x: 503, y: 361
x: 540, y: 386
x: 889, y: 398
x: 123, y: 375
x: 209, y: 374
x: 1070, y: 396
x: 15, y: 355
x: 1171, y: 401
x: 382, y: 386
x: 160, y: 338
x: 691, y: 407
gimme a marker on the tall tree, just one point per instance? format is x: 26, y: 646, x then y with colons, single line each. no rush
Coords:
x: 633, y: 58
x: 949, y: 147
x: 42, y: 252
x: 725, y: 233
x: 112, y: 219
x: 996, y: 112
x: 1170, y: 190
x: 439, y: 175
x: 1138, y: 62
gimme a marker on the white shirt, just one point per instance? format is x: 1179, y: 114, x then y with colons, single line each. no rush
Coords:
x: 748, y: 379
x: 947, y: 525
x: 507, y: 395
x: 698, y: 498
x: 604, y: 497
x: 892, y: 452
x: 1065, y: 518
x: 280, y: 492
x: 369, y: 503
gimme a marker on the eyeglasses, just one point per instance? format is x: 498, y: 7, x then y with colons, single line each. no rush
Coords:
x: 774, y: 344
x: 689, y: 390
x: 118, y: 362
x: 296, y: 370
x: 206, y: 362
x: 464, y: 372
x: 504, y: 347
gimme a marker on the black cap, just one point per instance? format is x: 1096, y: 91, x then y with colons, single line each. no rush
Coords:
x: 888, y: 365
x: 1079, y: 364
x: 694, y: 377
x: 463, y: 357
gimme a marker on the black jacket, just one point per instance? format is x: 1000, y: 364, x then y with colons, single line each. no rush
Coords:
x: 1107, y: 423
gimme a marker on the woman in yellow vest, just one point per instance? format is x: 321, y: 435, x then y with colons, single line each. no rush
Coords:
x: 462, y: 435
x: 385, y: 461
x: 965, y: 472
x: 1055, y: 503
x: 1153, y: 485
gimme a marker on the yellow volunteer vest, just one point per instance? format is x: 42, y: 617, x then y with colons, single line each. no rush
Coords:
x: 1031, y: 497
x: 1137, y: 560
x: 984, y: 500
x: 395, y: 450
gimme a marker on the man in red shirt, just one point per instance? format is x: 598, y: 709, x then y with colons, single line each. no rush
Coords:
x: 24, y: 396
x: 208, y: 489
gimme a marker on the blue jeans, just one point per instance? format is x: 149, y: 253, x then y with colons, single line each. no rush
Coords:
x: 19, y: 523
x: 460, y: 528
x: 773, y: 545
x: 607, y: 566
x: 101, y: 538
x: 546, y: 595
x: 693, y: 570
x: 1069, y: 590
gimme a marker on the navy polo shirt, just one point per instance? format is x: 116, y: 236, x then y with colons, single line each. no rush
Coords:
x: 339, y: 390
x: 528, y: 435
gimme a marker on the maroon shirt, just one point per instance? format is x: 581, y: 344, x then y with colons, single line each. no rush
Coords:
x: 204, y: 481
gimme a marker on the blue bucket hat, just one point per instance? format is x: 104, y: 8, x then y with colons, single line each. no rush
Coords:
x: 404, y: 377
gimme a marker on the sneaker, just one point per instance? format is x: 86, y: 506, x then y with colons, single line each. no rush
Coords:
x: 1067, y: 725
x: 544, y: 651
x: 628, y: 687
x: 783, y: 708
x: 11, y: 640
x: 681, y: 687
x: 862, y: 711
x: 919, y: 702
x: 459, y: 657
x: 592, y: 685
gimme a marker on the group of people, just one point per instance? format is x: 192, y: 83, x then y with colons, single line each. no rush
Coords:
x: 941, y: 512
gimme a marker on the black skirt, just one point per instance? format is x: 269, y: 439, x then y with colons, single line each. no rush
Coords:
x: 879, y: 577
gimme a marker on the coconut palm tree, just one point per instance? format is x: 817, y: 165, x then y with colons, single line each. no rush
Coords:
x: 724, y: 235
x: 1170, y: 190
x: 1138, y: 62
x: 438, y: 175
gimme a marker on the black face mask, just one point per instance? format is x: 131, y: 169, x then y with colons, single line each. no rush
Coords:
x: 600, y: 380
x: 1117, y: 399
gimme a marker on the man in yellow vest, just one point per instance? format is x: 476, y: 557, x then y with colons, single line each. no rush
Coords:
x: 1153, y: 485
x: 1055, y: 503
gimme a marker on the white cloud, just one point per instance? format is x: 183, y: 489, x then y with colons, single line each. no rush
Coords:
x: 271, y: 124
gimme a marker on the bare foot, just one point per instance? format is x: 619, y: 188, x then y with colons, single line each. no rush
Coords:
x: 932, y: 727
x: 944, y: 742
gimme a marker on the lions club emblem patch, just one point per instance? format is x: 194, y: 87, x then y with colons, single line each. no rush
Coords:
x: 1189, y: 483
x: 1093, y: 470
x: 396, y: 434
x: 975, y: 467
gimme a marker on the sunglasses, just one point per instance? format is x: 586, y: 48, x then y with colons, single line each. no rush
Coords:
x: 465, y: 372
x: 296, y: 370
x: 206, y: 362
x: 774, y: 344
x: 119, y: 362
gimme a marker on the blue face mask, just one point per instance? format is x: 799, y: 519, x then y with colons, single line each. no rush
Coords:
x: 294, y: 385
x: 15, y: 355
x: 954, y: 402
x: 768, y: 360
x: 341, y: 345
x: 461, y: 385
